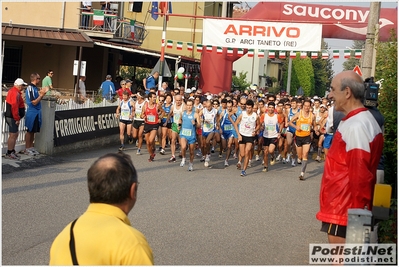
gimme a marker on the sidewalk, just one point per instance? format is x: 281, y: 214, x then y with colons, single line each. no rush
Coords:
x: 26, y: 162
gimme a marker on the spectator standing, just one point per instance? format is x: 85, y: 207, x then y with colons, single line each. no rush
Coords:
x: 350, y: 169
x: 86, y: 18
x: 150, y: 82
x: 48, y: 81
x: 103, y: 235
x: 108, y: 87
x: 15, y: 111
x: 82, y: 88
x: 33, y: 119
x: 123, y: 89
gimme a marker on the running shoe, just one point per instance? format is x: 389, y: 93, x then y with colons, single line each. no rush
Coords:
x: 293, y: 163
x: 172, y: 159
x: 257, y: 158
x: 207, y: 158
x: 183, y: 161
x: 265, y: 169
x: 288, y: 158
x: 121, y: 148
x: 235, y: 156
x: 213, y: 150
x: 318, y: 159
x: 278, y: 157
x: 220, y: 156
x: 284, y: 161
x: 190, y: 167
x: 301, y: 177
x: 34, y: 151
x: 130, y: 140
x: 162, y: 152
x: 202, y: 159
x: 243, y: 173
x: 12, y: 155
x: 199, y: 154
x: 272, y: 161
x: 226, y: 163
x: 29, y: 152
x: 249, y: 164
x: 299, y: 161
x: 238, y: 165
x: 138, y: 152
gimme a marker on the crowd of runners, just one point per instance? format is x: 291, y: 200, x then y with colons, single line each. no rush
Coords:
x: 240, y: 127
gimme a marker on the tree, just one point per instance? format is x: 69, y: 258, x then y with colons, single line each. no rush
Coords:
x: 351, y: 62
x: 305, y: 74
x: 240, y: 82
x: 323, y: 72
x: 387, y: 69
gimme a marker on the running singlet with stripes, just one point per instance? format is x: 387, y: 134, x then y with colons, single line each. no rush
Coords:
x: 167, y: 111
x: 290, y: 115
x: 271, y: 126
x: 209, y: 120
x: 305, y: 123
x: 226, y: 124
x: 247, y: 124
x: 126, y: 110
x: 138, y: 109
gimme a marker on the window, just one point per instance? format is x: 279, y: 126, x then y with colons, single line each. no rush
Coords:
x: 12, y: 63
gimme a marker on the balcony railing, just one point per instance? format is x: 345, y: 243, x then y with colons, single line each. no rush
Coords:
x: 110, y: 25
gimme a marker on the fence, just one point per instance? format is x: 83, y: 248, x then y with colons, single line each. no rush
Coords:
x: 66, y: 105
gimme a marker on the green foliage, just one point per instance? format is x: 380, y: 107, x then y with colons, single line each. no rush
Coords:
x: 240, y: 82
x: 323, y: 73
x: 387, y: 230
x: 386, y: 68
x: 304, y: 71
x: 351, y: 62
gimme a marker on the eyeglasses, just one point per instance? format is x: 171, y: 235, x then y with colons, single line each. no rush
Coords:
x: 51, y: 72
x: 37, y: 78
x: 123, y: 84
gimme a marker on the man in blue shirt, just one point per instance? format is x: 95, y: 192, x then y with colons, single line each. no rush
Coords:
x: 108, y: 88
x: 150, y: 82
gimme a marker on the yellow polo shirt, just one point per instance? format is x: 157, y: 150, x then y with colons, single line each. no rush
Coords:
x: 103, y: 236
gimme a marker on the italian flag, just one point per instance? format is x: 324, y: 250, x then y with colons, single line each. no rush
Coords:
x: 282, y: 54
x: 179, y: 45
x: 132, y: 22
x: 324, y: 54
x: 199, y: 47
x: 169, y: 44
x: 304, y: 55
x: 292, y: 54
x: 272, y: 54
x: 261, y: 53
x: 250, y: 53
x: 347, y: 53
x: 98, y: 17
x: 209, y: 48
x: 190, y: 46
x: 335, y: 53
x: 219, y: 50
x: 229, y: 51
x: 358, y: 53
x: 314, y: 55
x: 240, y: 51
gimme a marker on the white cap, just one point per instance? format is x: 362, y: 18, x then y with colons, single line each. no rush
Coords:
x: 323, y: 106
x: 209, y: 97
x: 193, y: 89
x: 19, y: 81
x: 188, y: 91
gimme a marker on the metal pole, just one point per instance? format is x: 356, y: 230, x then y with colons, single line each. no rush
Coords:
x: 289, y: 76
x: 79, y: 66
x: 162, y: 59
x: 2, y: 57
x: 373, y: 20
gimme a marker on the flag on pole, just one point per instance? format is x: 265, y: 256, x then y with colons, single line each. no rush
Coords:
x: 190, y: 46
x: 261, y: 53
x: 272, y: 54
x: 324, y: 54
x: 179, y: 45
x: 304, y: 55
x: 358, y: 53
x: 154, y: 9
x: 251, y: 52
x: 219, y: 50
x: 282, y: 54
x: 347, y: 53
x: 292, y: 54
x: 98, y: 17
x: 166, y: 8
x: 314, y: 55
x: 240, y: 51
x: 209, y: 48
x: 169, y: 44
x: 229, y: 51
x: 335, y: 53
x: 132, y: 22
x: 199, y: 48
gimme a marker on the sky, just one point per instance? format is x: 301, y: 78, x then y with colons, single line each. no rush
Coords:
x: 339, y: 43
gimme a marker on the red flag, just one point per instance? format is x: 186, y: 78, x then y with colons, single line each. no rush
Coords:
x: 165, y: 7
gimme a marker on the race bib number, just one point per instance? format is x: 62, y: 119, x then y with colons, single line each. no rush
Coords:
x: 208, y: 126
x: 305, y: 127
x: 186, y: 132
x: 151, y: 118
x: 270, y: 127
x: 137, y: 115
x: 284, y: 131
x: 228, y: 127
x: 176, y: 117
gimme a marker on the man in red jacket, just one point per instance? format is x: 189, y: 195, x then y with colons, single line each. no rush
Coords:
x: 15, y: 111
x: 350, y: 168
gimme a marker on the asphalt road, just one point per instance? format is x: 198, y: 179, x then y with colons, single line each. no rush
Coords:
x: 211, y: 216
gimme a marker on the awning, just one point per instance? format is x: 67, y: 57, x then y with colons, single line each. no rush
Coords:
x: 32, y: 34
x: 129, y: 48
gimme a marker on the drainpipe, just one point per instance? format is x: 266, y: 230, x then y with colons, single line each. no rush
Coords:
x: 62, y: 15
x: 195, y: 26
